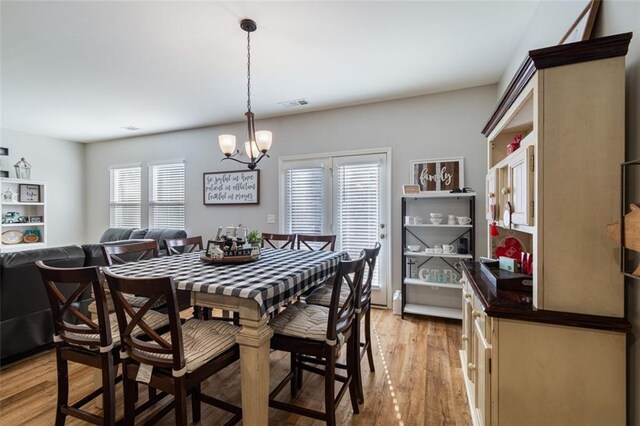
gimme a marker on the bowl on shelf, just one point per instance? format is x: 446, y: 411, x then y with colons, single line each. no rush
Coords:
x: 436, y: 220
x: 435, y: 215
x: 413, y: 247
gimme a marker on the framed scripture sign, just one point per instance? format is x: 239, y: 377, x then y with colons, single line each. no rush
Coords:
x: 439, y: 174
x: 29, y: 193
x: 225, y: 188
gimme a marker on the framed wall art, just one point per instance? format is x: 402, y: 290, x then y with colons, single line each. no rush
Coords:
x: 228, y: 188
x: 581, y: 28
x: 29, y: 193
x: 439, y: 174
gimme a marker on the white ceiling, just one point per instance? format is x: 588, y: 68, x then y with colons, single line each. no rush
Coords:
x: 83, y: 70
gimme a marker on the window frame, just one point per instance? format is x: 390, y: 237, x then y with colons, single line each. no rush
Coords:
x: 150, y: 192
x: 113, y: 203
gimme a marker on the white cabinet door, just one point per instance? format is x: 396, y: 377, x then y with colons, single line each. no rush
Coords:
x: 492, y: 196
x: 483, y: 375
x: 520, y: 187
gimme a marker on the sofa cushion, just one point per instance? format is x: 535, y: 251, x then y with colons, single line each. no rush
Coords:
x: 165, y: 234
x: 138, y: 234
x: 116, y: 234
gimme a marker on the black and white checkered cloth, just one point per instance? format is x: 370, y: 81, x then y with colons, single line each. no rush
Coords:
x: 276, y: 278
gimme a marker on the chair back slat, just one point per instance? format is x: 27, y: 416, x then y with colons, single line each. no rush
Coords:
x: 328, y: 240
x: 144, y: 250
x: 370, y: 257
x: 349, y: 273
x: 158, y: 351
x: 286, y: 240
x: 183, y: 245
x: 74, y: 281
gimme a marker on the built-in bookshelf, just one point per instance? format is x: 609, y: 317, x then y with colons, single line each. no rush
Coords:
x: 23, y: 206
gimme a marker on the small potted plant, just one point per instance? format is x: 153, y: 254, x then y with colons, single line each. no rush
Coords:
x: 254, y: 238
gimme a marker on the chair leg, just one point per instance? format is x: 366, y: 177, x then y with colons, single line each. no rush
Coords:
x: 295, y: 372
x: 130, y: 395
x: 197, y: 312
x: 329, y: 389
x: 353, y: 368
x: 108, y: 389
x: 299, y: 377
x: 195, y: 404
x: 152, y: 392
x: 63, y: 387
x: 180, y: 401
x: 367, y: 336
x: 354, y: 350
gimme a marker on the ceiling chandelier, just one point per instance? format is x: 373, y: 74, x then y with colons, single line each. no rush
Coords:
x: 259, y: 142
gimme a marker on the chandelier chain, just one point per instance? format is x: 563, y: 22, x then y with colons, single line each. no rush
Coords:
x: 248, y: 71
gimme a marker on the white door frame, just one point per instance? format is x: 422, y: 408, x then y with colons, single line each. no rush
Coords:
x: 387, y: 241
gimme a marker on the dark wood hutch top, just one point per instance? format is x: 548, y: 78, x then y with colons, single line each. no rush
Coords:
x: 517, y: 305
x: 554, y: 56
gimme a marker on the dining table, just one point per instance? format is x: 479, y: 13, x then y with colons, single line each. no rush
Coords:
x: 254, y: 290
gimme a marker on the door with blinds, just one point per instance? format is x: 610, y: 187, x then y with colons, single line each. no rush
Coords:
x: 345, y: 196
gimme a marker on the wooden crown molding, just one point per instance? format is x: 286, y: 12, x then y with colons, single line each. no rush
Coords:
x: 554, y: 56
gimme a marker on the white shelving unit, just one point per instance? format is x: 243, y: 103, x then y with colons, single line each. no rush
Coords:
x: 422, y: 297
x: 32, y: 208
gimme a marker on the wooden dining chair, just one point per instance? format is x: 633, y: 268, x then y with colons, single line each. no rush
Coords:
x: 283, y: 240
x: 328, y: 240
x: 91, y: 343
x: 123, y: 253
x: 314, y: 335
x: 176, y: 362
x: 183, y: 245
x: 322, y: 296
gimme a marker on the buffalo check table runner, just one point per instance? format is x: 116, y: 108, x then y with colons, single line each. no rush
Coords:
x: 277, y: 277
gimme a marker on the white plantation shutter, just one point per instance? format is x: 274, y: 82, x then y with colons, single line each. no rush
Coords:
x: 304, y: 202
x: 125, y: 197
x: 358, y: 207
x: 166, y: 196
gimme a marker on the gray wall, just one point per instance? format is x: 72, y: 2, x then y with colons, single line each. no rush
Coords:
x: 60, y: 164
x: 546, y: 28
x: 439, y: 125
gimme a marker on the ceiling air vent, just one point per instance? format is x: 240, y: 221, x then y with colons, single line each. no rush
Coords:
x: 131, y: 128
x: 294, y: 104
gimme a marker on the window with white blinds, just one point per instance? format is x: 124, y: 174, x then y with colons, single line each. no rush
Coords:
x: 357, y: 220
x: 304, y: 200
x: 166, y: 196
x: 125, y: 197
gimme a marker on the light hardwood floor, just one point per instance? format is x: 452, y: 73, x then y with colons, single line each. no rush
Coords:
x: 417, y: 382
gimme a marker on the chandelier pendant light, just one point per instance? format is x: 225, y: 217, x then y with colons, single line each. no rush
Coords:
x: 258, y: 142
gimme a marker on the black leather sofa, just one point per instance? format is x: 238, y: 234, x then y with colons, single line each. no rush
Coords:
x: 25, y: 317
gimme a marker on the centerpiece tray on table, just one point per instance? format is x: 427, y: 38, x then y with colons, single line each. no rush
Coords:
x: 224, y: 252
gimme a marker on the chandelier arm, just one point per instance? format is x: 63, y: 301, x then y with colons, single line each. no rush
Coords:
x: 235, y: 159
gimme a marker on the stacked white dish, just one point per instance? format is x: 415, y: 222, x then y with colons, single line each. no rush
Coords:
x: 436, y: 218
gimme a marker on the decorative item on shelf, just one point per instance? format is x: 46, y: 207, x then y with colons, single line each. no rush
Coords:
x: 513, y: 146
x: 12, y: 236
x: 14, y: 217
x: 9, y: 196
x: 259, y: 142
x: 23, y: 169
x: 506, y: 216
x: 465, y: 190
x: 29, y: 193
x: 412, y: 268
x: 440, y: 174
x: 510, y: 247
x: 410, y: 189
x: 36, y: 219
x: 631, y: 236
x: 3, y: 153
x: 31, y: 236
x: 463, y: 220
x: 229, y: 188
x: 413, y: 247
x: 463, y: 245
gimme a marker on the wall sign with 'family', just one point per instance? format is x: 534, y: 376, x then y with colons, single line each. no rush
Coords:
x: 440, y: 174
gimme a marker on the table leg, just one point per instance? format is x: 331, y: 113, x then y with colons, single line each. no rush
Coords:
x: 254, y: 341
